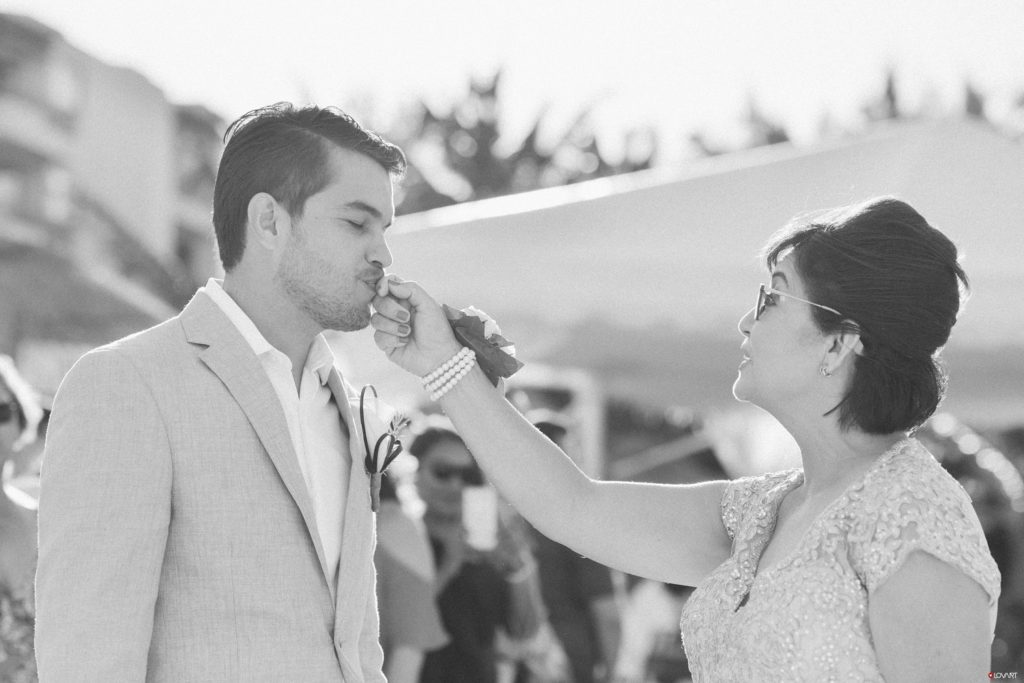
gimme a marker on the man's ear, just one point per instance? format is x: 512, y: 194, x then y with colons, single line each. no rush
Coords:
x: 264, y: 220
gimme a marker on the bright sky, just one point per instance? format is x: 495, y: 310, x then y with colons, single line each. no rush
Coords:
x: 681, y: 66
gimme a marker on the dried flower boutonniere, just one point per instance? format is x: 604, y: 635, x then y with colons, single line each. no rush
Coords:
x: 387, y: 446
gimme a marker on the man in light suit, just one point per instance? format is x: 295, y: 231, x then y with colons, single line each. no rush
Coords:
x: 204, y: 511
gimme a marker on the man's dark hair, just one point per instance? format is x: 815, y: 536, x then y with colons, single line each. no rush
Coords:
x: 284, y: 150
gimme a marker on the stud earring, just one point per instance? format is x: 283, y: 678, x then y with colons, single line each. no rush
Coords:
x: 825, y: 371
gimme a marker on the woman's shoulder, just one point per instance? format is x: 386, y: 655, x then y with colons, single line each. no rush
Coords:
x: 910, y: 479
x: 911, y: 503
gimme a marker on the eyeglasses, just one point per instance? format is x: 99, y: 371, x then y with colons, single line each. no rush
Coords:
x: 469, y: 474
x: 9, y: 411
x: 766, y: 295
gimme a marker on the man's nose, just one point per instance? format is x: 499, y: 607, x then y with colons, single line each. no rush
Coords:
x: 380, y: 254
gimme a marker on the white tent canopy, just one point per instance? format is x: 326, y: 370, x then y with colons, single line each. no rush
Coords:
x: 641, y: 278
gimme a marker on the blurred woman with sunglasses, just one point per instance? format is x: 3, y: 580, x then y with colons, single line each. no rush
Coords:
x: 479, y: 591
x: 868, y: 563
x: 20, y: 415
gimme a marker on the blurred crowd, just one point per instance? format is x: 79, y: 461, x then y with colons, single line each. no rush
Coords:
x: 469, y: 591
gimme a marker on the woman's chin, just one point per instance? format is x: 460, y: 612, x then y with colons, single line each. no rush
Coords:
x: 740, y: 390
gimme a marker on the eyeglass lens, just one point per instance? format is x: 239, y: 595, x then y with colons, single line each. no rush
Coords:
x: 759, y: 309
x: 469, y: 474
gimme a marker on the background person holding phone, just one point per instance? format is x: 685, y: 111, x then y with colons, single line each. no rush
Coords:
x: 479, y: 589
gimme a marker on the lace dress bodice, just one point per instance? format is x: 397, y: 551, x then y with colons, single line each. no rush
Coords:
x: 806, y: 618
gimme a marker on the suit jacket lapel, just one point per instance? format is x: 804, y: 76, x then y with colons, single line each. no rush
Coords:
x: 358, y: 535
x: 232, y: 360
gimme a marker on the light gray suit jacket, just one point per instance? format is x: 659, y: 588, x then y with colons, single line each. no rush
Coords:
x: 177, y: 538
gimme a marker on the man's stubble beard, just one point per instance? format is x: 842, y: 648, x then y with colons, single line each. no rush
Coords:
x: 298, y: 270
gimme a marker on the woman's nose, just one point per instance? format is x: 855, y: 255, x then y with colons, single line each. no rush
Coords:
x: 746, y: 322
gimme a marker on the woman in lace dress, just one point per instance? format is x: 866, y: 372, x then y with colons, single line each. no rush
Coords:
x: 866, y: 564
x: 19, y: 418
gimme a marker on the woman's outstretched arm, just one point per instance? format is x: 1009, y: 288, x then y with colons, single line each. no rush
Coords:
x: 670, y: 533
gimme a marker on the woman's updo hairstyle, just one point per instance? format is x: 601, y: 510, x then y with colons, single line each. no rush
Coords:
x: 897, y: 282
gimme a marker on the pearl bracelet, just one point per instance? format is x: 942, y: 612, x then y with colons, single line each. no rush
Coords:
x: 446, y: 366
x: 440, y: 381
x: 459, y: 374
x: 451, y: 378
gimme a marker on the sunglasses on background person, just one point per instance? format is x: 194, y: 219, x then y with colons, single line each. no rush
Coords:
x: 469, y: 474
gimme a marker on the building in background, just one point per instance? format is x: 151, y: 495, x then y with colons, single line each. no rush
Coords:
x: 105, y: 197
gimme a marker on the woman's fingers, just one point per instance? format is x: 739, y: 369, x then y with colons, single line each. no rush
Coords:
x: 409, y: 290
x: 383, y: 323
x: 392, y: 308
x: 387, y: 342
x: 406, y: 316
x: 398, y: 299
x: 384, y: 284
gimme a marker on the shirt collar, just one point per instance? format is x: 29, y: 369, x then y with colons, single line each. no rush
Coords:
x: 253, y: 337
x: 320, y: 359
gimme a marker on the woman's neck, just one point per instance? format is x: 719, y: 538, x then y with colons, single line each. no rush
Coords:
x: 833, y: 457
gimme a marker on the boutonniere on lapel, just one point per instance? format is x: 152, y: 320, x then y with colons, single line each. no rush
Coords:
x: 386, y: 444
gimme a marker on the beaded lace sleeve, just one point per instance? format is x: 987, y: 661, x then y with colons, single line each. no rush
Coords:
x: 736, y: 499
x: 745, y: 496
x: 919, y: 506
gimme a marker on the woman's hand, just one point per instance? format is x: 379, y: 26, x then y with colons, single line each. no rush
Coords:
x: 410, y: 326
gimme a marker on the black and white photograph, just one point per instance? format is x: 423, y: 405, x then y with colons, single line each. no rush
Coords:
x: 489, y: 342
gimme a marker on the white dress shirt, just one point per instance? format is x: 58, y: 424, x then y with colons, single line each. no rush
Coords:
x: 314, y: 423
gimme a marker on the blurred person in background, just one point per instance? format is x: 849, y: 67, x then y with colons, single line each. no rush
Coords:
x: 650, y: 634
x: 868, y: 563
x: 536, y: 658
x: 410, y: 623
x: 20, y: 415
x: 478, y: 591
x: 204, y: 509
x: 579, y: 593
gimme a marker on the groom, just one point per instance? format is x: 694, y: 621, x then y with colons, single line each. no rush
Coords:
x: 204, y: 512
